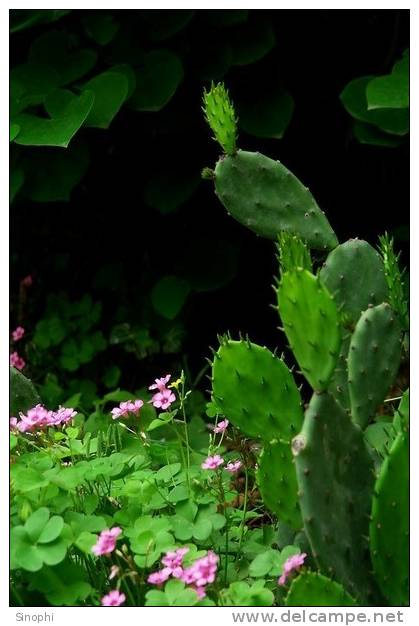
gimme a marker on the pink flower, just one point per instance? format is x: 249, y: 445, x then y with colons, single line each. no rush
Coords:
x: 13, y: 423
x: 200, y: 591
x: 27, y: 281
x: 160, y: 383
x: 158, y: 578
x: 202, y: 572
x: 212, y: 462
x: 35, y: 419
x: 293, y: 563
x: 17, y: 361
x: 18, y: 333
x: 62, y: 416
x: 173, y: 560
x: 127, y: 407
x: 233, y: 466
x: 106, y: 541
x: 113, y: 598
x: 221, y: 427
x: 135, y: 406
x: 163, y: 399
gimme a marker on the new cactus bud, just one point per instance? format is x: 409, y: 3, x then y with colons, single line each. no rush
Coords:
x: 221, y: 117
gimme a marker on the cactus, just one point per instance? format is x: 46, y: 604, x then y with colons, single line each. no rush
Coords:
x: 354, y: 273
x: 389, y: 527
x: 313, y: 589
x: 293, y: 253
x: 267, y: 198
x: 277, y: 482
x: 335, y: 479
x: 373, y: 361
x: 23, y: 395
x: 338, y: 385
x: 221, y: 117
x: 256, y: 391
x: 311, y: 321
x: 395, y: 276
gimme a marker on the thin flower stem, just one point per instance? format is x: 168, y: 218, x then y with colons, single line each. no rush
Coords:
x: 246, y: 489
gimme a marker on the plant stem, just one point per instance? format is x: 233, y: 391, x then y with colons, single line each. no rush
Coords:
x: 246, y: 488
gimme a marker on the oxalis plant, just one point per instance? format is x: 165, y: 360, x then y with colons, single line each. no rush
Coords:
x: 275, y: 502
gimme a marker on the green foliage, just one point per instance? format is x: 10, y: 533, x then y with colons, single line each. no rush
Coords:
x: 169, y: 295
x: 389, y: 528
x: 241, y: 593
x: 311, y: 322
x: 151, y: 94
x: 221, y: 117
x: 256, y: 391
x: 373, y: 361
x: 266, y: 197
x: 266, y: 114
x: 38, y: 542
x: 313, y: 589
x: 380, y: 105
x: 59, y: 130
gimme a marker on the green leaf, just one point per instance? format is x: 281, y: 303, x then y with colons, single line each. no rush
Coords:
x: 390, y: 91
x: 100, y: 26
x: 20, y: 19
x: 157, y: 81
x: 110, y: 91
x: 36, y: 523
x: 266, y: 115
x: 169, y: 295
x: 22, y: 553
x: 178, y: 493
x: 169, y: 189
x: 17, y: 178
x: 202, y: 529
x: 166, y: 473
x: 51, y: 174
x: 63, y: 585
x: 354, y: 99
x: 165, y: 24
x: 111, y: 376
x: 14, y: 130
x: 265, y: 563
x: 371, y: 135
x: 53, y: 49
x: 30, y: 83
x: 52, y: 529
x: 58, y: 131
x: 251, y: 42
x: 178, y: 595
x: 52, y: 553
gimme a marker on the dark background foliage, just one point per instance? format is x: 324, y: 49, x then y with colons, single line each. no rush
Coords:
x: 108, y: 242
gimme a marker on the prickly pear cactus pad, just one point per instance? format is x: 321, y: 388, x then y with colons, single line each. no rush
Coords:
x: 354, y: 273
x: 338, y: 385
x: 277, y: 482
x: 267, y: 198
x: 313, y: 589
x: 23, y: 395
x: 389, y: 527
x: 335, y: 479
x: 256, y: 391
x: 311, y: 323
x: 373, y: 360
